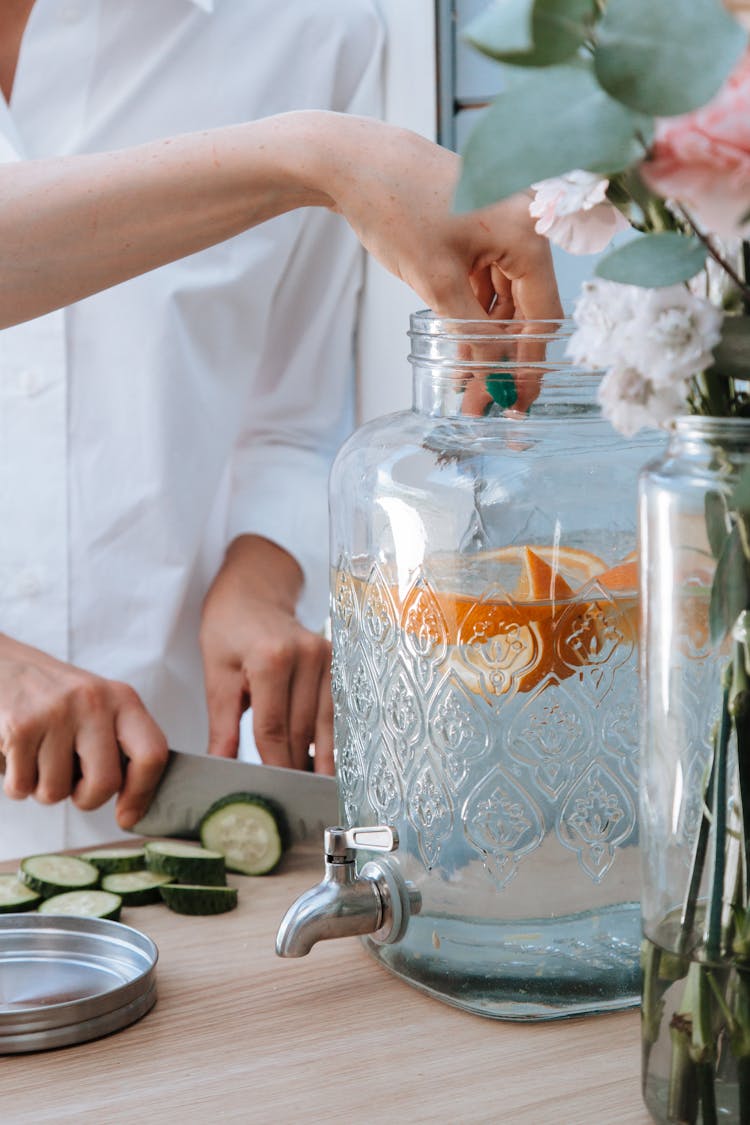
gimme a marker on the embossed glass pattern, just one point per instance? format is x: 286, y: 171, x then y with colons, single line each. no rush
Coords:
x: 485, y: 670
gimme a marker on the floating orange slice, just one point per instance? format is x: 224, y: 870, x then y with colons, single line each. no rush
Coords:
x: 573, y: 564
x: 539, y: 582
x: 624, y: 576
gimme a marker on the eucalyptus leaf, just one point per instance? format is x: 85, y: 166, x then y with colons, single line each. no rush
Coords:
x: 654, y: 260
x: 732, y: 353
x: 665, y: 57
x: 730, y: 591
x: 531, y: 32
x: 716, y: 522
x: 546, y: 123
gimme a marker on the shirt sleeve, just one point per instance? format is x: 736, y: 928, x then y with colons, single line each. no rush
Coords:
x: 301, y: 406
x: 8, y: 154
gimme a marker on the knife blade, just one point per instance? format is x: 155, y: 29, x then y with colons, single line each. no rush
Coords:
x: 192, y: 782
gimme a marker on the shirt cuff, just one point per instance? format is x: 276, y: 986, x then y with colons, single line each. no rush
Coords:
x: 282, y: 494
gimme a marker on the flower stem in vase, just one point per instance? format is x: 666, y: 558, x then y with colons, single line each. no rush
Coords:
x: 693, y: 1072
x: 739, y: 707
x: 739, y: 1024
x: 716, y: 896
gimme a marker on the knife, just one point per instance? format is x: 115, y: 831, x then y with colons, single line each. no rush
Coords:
x: 192, y: 782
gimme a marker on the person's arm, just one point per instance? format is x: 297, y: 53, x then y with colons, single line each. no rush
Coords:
x: 71, y: 226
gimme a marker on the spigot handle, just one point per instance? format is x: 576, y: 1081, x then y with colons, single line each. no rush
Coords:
x: 341, y: 843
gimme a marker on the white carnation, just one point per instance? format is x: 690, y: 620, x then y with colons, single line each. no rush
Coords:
x: 604, y: 314
x: 632, y: 401
x: 673, y: 334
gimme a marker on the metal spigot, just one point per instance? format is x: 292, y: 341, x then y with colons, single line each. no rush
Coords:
x: 377, y: 901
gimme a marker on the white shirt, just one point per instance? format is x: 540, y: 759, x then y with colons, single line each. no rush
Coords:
x: 144, y: 428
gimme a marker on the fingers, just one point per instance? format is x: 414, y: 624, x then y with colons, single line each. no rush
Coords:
x: 144, y: 745
x: 536, y: 294
x: 226, y: 699
x: 270, y: 689
x: 305, y: 699
x: 324, y: 757
x: 504, y: 307
x: 20, y: 745
x: 55, y: 758
x: 99, y: 762
x: 61, y: 730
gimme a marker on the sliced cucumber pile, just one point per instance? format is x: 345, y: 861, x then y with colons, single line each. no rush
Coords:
x: 242, y: 832
x: 186, y: 899
x: 249, y: 830
x: 114, y: 860
x: 84, y: 904
x: 186, y: 863
x: 15, y: 896
x: 53, y: 874
x: 136, y: 888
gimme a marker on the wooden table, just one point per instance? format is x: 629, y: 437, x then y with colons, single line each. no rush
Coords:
x: 240, y: 1035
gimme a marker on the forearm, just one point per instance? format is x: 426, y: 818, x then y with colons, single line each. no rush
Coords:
x: 70, y: 226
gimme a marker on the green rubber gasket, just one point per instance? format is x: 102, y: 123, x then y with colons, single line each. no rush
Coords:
x: 502, y: 387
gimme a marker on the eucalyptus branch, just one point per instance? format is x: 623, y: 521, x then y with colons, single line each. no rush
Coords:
x: 729, y: 269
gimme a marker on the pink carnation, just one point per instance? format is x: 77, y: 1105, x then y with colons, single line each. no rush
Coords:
x: 702, y: 159
x: 573, y: 212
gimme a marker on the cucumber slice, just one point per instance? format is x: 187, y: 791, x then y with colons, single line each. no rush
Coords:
x: 251, y: 831
x: 187, y: 863
x: 84, y: 904
x: 186, y: 899
x: 53, y: 874
x: 111, y: 860
x: 15, y: 896
x: 136, y: 888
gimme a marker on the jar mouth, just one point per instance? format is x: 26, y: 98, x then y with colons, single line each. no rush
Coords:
x: 703, y: 425
x: 455, y: 336
x: 487, y: 367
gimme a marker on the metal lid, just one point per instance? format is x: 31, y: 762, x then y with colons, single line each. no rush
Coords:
x: 66, y: 980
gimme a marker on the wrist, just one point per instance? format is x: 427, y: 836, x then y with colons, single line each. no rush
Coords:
x: 302, y: 147
x: 270, y: 573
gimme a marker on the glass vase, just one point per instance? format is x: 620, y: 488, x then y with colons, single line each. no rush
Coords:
x: 485, y: 669
x: 696, y: 775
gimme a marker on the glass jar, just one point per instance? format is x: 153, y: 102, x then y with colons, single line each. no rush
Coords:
x: 485, y: 670
x: 695, y: 783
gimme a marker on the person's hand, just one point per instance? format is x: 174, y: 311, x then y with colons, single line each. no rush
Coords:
x: 256, y: 653
x: 63, y: 730
x: 395, y: 189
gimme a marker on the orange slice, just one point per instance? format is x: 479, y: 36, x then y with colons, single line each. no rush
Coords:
x: 573, y: 564
x: 623, y: 576
x: 544, y: 627
x: 528, y: 629
x: 539, y: 582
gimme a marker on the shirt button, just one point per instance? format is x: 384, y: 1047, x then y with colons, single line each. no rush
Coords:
x: 28, y: 584
x: 29, y: 382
